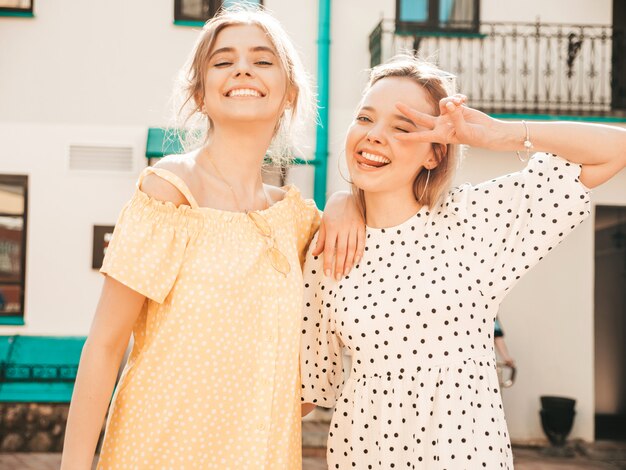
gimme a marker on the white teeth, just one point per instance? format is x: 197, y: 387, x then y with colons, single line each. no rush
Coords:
x: 375, y: 158
x: 244, y: 92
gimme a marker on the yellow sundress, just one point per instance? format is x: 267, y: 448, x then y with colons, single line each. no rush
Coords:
x: 213, y: 378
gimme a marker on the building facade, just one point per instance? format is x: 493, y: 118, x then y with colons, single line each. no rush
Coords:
x: 82, y: 83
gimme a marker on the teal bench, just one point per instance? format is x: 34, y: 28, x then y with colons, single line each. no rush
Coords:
x: 38, y: 368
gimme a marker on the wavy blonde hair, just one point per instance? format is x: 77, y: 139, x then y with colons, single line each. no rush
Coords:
x: 438, y: 84
x: 193, y: 128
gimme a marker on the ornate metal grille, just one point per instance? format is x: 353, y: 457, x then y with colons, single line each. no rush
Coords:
x: 517, y: 67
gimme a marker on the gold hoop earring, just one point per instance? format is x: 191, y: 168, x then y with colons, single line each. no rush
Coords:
x: 339, y: 169
x: 425, y: 186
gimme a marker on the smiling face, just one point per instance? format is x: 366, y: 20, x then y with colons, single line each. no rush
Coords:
x: 377, y: 161
x: 245, y: 80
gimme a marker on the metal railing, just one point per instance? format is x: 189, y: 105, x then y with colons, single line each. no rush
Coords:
x: 37, y: 373
x: 516, y: 67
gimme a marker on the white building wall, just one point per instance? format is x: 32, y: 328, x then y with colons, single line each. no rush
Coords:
x: 99, y: 63
x: 87, y: 73
x: 551, y: 11
x: 101, y: 72
x: 61, y: 288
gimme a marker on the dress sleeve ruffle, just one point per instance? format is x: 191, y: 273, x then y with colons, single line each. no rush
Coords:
x: 148, y: 245
x: 513, y: 221
x: 321, y: 359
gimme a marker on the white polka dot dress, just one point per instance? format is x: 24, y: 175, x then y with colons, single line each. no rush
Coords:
x: 213, y: 379
x: 417, y: 316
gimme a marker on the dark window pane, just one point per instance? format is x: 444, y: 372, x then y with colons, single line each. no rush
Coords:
x: 11, y: 238
x: 13, y: 216
x: 456, y: 13
x: 431, y: 15
x: 10, y: 300
x: 414, y: 10
x: 194, y: 8
x: 101, y: 237
x: 228, y: 3
x: 203, y: 10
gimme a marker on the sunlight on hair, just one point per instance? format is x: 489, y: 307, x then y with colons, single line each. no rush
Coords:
x: 193, y: 128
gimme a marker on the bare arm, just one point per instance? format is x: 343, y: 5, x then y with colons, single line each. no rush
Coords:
x: 307, y: 408
x: 102, y: 354
x: 503, y: 351
x: 341, y: 235
x: 598, y: 148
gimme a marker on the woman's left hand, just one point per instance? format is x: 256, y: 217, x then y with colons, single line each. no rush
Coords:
x: 341, y: 235
x: 456, y: 124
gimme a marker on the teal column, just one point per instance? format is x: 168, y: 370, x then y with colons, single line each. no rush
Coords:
x: 323, y: 85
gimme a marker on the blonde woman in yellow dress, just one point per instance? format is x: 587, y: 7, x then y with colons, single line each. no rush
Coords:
x: 204, y: 269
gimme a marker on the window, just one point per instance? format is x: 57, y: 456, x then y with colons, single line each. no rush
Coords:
x: 13, y: 210
x: 437, y: 15
x: 203, y: 10
x: 16, y: 7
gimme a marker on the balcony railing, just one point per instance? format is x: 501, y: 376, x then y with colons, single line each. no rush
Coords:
x: 517, y: 68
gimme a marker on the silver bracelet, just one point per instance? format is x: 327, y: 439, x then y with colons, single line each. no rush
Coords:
x: 527, y: 144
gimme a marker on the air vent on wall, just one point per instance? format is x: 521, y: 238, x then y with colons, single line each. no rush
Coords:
x: 100, y: 158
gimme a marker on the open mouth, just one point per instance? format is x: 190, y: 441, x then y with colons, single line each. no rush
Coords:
x: 371, y: 160
x: 244, y: 93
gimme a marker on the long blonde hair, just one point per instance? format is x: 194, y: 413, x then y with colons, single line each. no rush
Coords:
x: 194, y: 127
x: 438, y: 84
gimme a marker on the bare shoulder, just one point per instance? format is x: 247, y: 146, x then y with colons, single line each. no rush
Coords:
x: 158, y: 188
x: 275, y: 193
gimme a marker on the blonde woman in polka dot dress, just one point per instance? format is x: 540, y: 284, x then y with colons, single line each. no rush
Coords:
x: 205, y: 269
x: 417, y: 313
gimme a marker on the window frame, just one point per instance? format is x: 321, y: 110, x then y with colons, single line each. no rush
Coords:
x: 14, y: 317
x: 432, y: 23
x: 17, y: 11
x: 214, y: 6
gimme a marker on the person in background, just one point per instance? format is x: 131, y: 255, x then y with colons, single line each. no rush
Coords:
x: 498, y: 341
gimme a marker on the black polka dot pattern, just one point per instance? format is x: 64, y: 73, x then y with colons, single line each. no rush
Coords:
x: 417, y: 316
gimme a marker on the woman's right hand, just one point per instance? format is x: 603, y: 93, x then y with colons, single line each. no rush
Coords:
x: 456, y: 124
x: 598, y: 148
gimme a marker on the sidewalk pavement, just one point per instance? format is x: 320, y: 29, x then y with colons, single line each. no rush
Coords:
x: 34, y: 461
x: 602, y: 455
x: 525, y: 459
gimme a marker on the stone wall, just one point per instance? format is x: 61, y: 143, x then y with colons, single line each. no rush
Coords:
x: 40, y: 427
x: 32, y: 427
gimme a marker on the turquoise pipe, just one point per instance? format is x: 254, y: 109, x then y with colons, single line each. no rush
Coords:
x: 323, y: 88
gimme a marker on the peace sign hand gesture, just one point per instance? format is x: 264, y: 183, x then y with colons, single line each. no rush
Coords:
x: 456, y: 124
